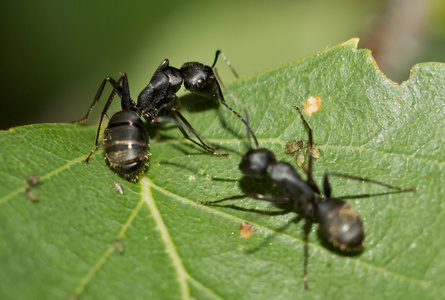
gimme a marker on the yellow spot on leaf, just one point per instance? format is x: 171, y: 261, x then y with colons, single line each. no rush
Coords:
x: 312, y: 105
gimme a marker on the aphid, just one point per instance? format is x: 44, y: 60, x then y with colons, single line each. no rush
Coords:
x: 118, y: 188
x: 294, y: 148
x: 126, y: 140
x: 246, y: 230
x: 299, y: 158
x: 32, y: 195
x: 119, y: 246
x: 32, y: 179
x: 315, y: 152
x: 339, y: 223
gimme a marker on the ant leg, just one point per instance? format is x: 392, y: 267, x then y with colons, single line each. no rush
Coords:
x: 326, y: 186
x: 175, y: 113
x: 326, y: 182
x: 221, y: 99
x: 222, y: 200
x: 203, y: 145
x: 276, y: 201
x: 220, y: 53
x: 116, y: 89
x: 98, y: 94
x: 310, y: 144
x: 124, y: 93
x: 307, y: 229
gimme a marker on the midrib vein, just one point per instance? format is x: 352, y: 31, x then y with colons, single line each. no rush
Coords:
x: 183, y: 276
x: 290, y: 240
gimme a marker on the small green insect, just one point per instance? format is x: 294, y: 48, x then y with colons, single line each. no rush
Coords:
x: 295, y: 148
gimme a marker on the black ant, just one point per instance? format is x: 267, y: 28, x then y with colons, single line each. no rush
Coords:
x: 126, y: 140
x: 339, y: 223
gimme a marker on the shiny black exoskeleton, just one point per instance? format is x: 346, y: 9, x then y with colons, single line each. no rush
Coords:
x: 126, y: 139
x: 339, y: 223
x: 127, y: 144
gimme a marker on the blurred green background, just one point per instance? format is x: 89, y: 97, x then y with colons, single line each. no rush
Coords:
x: 54, y: 54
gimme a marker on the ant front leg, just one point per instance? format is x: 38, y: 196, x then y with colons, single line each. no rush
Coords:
x: 310, y: 145
x: 201, y: 143
x: 245, y: 121
x: 222, y: 100
x: 174, y: 113
x: 202, y: 80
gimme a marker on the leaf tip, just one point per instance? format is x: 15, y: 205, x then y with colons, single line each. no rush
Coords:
x: 351, y: 42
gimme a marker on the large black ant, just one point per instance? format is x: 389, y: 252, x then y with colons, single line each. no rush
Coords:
x: 126, y: 140
x: 339, y: 224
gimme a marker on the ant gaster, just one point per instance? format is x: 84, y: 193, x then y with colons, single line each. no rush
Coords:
x: 339, y: 223
x: 126, y: 140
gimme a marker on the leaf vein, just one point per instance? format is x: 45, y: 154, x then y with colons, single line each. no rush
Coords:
x: 106, y: 254
x: 292, y: 240
x: 24, y: 186
x: 183, y: 276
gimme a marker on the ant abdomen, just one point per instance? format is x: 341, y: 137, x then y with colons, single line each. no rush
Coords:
x: 340, y: 225
x: 127, y: 144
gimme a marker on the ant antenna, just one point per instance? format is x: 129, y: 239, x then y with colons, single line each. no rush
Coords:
x: 219, y: 53
x: 310, y: 150
x: 245, y: 121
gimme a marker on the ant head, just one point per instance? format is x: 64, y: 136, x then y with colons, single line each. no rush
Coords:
x: 256, y: 162
x: 200, y: 79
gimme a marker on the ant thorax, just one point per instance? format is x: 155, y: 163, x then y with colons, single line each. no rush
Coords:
x: 291, y: 186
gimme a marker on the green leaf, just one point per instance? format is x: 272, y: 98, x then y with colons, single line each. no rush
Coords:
x: 154, y: 242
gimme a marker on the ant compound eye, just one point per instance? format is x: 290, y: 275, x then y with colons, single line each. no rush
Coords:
x: 200, y: 83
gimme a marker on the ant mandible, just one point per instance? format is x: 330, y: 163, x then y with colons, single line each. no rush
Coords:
x: 126, y: 140
x: 339, y: 223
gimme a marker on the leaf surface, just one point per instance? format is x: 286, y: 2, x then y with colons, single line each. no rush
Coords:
x: 64, y: 245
